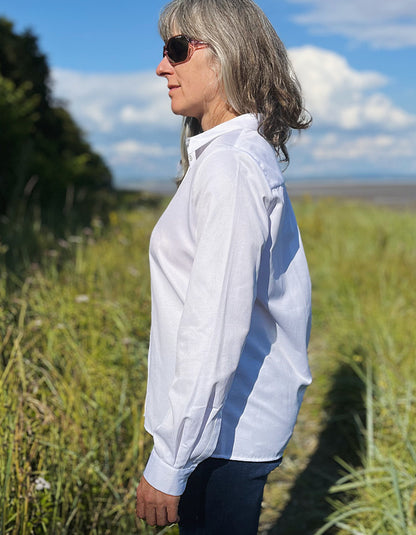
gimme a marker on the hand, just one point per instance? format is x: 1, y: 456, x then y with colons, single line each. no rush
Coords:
x: 156, y: 507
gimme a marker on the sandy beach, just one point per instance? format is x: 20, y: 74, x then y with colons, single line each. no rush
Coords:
x: 388, y: 193
x: 399, y: 194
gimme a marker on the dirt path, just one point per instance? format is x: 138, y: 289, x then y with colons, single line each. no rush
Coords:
x: 295, y: 500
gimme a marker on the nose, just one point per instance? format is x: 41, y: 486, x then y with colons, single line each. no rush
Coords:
x: 164, y: 67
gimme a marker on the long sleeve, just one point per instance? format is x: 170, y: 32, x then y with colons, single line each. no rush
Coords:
x: 229, y: 211
x: 230, y: 310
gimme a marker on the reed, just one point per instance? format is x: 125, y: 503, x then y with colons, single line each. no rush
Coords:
x: 73, y: 341
x: 364, y: 299
x: 74, y: 326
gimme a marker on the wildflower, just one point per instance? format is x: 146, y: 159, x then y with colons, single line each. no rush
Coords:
x: 75, y: 239
x: 133, y: 271
x: 82, y: 298
x: 42, y: 484
x: 97, y: 223
x: 63, y: 243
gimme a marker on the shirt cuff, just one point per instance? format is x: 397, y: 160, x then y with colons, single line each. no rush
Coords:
x: 164, y: 477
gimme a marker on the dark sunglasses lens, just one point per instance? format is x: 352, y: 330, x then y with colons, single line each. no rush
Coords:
x: 177, y: 49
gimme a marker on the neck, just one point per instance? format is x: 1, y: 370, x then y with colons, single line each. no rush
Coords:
x: 208, y: 121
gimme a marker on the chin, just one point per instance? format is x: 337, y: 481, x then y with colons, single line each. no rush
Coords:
x: 177, y: 110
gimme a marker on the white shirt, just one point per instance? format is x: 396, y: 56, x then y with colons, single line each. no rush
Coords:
x: 231, y: 306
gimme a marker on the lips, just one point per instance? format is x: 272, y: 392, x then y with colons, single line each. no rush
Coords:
x: 172, y: 88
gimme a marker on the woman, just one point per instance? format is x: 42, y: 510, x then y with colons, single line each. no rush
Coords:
x: 230, y: 284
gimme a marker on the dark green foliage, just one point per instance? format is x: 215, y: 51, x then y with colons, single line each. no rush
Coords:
x: 44, y: 158
x: 17, y: 125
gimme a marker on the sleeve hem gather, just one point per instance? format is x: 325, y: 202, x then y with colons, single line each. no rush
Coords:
x: 164, y: 477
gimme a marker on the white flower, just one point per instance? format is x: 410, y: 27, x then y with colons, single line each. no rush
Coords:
x: 82, y: 298
x: 42, y: 484
x: 133, y: 271
x: 63, y: 243
x: 75, y: 239
x: 97, y: 223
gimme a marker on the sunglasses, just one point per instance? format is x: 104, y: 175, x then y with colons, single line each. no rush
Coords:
x: 180, y: 48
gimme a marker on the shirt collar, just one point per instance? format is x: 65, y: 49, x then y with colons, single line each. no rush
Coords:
x: 246, y: 121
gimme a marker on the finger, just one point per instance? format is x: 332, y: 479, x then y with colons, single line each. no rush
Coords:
x: 140, y: 507
x: 172, y: 514
x: 140, y: 510
x: 150, y: 515
x: 161, y: 516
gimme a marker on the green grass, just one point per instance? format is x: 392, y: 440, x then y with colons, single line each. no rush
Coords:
x: 361, y: 405
x: 72, y: 377
x: 370, y: 324
x: 74, y: 326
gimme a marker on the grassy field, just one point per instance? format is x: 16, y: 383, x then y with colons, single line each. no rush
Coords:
x: 74, y: 325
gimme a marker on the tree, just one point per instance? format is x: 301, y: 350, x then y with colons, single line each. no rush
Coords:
x: 17, y: 120
x: 41, y: 147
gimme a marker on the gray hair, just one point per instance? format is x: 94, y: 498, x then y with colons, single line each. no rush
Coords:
x: 254, y: 68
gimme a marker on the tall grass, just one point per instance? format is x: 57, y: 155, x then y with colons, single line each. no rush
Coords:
x: 363, y: 263
x: 74, y: 325
x: 73, y: 342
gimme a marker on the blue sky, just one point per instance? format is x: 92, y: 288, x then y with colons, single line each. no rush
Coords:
x: 356, y: 61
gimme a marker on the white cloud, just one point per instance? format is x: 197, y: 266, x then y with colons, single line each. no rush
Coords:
x: 356, y: 126
x: 141, y: 115
x: 136, y: 159
x: 386, y: 25
x: 101, y: 101
x: 375, y: 110
x: 132, y: 150
x: 341, y: 97
x: 127, y: 118
x: 333, y: 154
x: 356, y: 129
x: 372, y: 148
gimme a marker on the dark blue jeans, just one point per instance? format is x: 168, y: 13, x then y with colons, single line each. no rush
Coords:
x: 223, y: 497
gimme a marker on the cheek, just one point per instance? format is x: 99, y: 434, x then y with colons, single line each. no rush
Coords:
x: 212, y: 90
x: 208, y: 85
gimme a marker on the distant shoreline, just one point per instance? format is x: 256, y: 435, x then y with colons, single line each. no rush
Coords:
x: 380, y: 192
x: 389, y: 192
